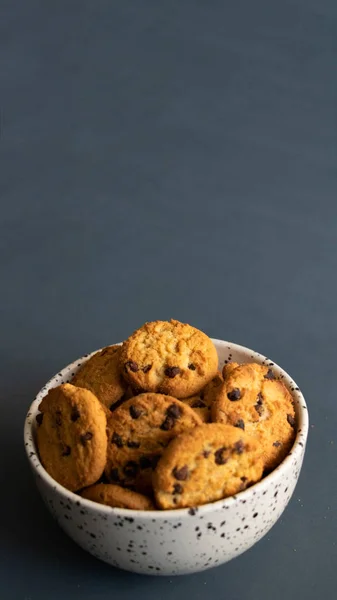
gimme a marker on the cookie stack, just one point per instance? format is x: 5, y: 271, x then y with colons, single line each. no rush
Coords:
x: 154, y: 424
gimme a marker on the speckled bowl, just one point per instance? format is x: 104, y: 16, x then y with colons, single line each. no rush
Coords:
x: 177, y: 541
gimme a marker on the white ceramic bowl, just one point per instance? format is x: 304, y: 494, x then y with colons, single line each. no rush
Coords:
x: 176, y: 541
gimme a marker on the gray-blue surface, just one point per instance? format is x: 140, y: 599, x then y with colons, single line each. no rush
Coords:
x: 167, y: 159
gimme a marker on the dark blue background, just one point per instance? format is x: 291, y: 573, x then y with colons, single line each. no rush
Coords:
x: 168, y: 159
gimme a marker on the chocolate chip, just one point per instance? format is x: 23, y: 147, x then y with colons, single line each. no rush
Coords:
x: 168, y: 424
x: 291, y: 420
x: 114, y: 475
x: 270, y: 374
x: 244, y: 483
x: 66, y: 451
x: 75, y: 414
x: 131, y: 469
x: 240, y: 423
x: 259, y: 404
x: 146, y: 369
x: 86, y: 437
x: 219, y: 457
x: 239, y: 447
x: 174, y: 411
x: 234, y: 394
x: 277, y: 444
x: 134, y: 411
x: 131, y: 444
x: 172, y: 371
x: 105, y: 351
x: 198, y: 404
x: 192, y: 367
x: 177, y: 488
x: 181, y: 474
x: 39, y: 418
x: 131, y: 365
x: 206, y: 453
x: 117, y: 440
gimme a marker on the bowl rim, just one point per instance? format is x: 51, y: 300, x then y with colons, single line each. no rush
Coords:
x: 296, y: 451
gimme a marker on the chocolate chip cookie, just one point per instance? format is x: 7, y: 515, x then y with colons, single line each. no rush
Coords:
x: 71, y: 436
x: 203, y: 401
x: 252, y: 399
x: 210, y: 462
x: 138, y: 432
x: 101, y: 375
x: 170, y: 358
x: 118, y: 497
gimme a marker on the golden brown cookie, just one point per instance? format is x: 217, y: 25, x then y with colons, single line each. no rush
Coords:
x: 210, y: 462
x: 251, y: 398
x: 138, y: 432
x: 117, y: 496
x: 71, y: 436
x: 169, y: 357
x: 202, y: 402
x: 101, y: 375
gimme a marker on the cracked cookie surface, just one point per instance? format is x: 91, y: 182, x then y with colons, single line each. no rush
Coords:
x: 169, y: 357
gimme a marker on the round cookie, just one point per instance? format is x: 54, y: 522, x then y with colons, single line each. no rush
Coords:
x: 117, y: 497
x: 211, y: 462
x: 101, y: 375
x: 71, y: 436
x: 251, y: 398
x: 203, y: 401
x: 138, y: 432
x: 169, y: 357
